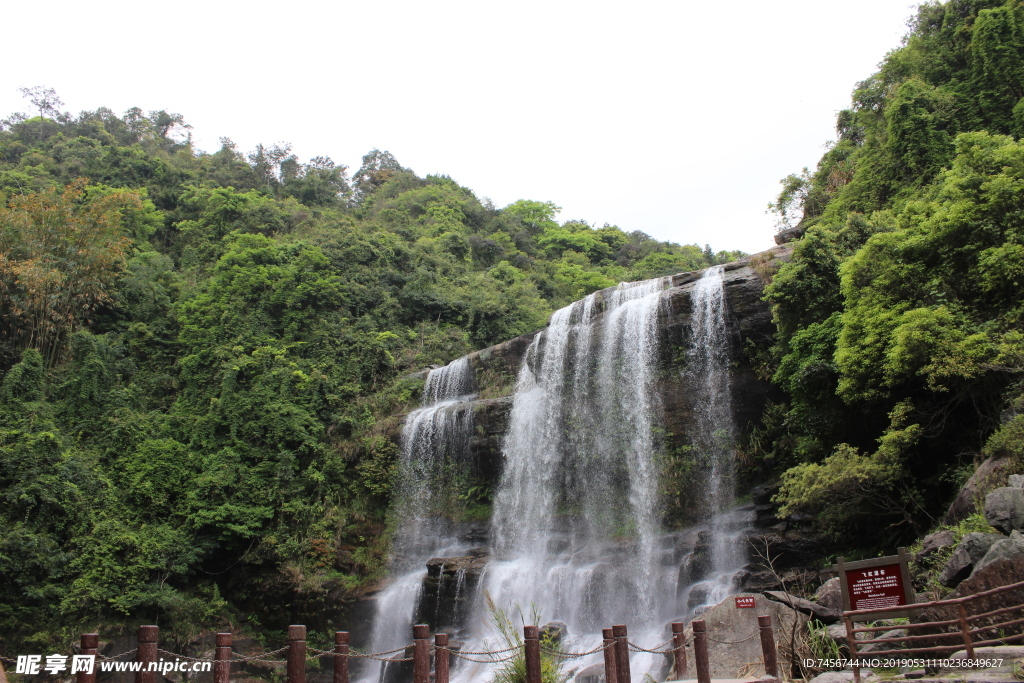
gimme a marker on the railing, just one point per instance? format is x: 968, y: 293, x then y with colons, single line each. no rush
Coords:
x: 616, y: 649
x: 962, y: 626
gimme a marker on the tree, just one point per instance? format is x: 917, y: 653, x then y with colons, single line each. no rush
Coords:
x: 378, y: 167
x: 43, y: 99
x: 59, y: 257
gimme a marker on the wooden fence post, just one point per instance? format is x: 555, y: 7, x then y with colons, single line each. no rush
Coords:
x: 621, y: 653
x: 531, y: 648
x: 341, y: 657
x: 222, y: 657
x: 296, y: 654
x: 610, y: 667
x: 771, y: 662
x: 700, y: 650
x: 146, y: 653
x: 421, y: 653
x: 90, y: 646
x: 441, y: 658
x: 679, y: 645
x: 851, y: 643
x: 965, y: 629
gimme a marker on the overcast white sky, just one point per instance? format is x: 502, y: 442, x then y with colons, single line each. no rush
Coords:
x: 675, y: 118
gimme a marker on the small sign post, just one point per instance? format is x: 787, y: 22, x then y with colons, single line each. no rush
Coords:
x: 744, y: 603
x: 879, y: 582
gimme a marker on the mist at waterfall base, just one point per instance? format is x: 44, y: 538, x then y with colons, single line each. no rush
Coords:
x: 575, y: 534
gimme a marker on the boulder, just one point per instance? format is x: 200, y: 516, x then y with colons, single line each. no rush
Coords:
x: 1004, y: 509
x: 825, y: 615
x: 1016, y: 481
x: 893, y: 635
x: 990, y: 474
x: 932, y: 543
x: 837, y: 632
x: 697, y: 565
x: 698, y: 594
x: 786, y: 236
x: 591, y: 674
x: 995, y: 574
x: 830, y: 595
x: 1011, y: 549
x: 554, y: 632
x: 753, y: 580
x: 734, y: 648
x: 833, y: 677
x: 998, y: 573
x: 972, y: 548
x: 448, y: 588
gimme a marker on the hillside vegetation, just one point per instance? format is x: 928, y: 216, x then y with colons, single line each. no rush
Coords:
x: 195, y: 351
x: 901, y: 316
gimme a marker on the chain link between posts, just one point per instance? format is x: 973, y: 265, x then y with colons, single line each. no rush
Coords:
x: 734, y: 642
x: 573, y: 655
x: 104, y: 658
x: 656, y: 650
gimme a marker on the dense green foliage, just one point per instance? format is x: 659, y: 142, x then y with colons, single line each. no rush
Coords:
x: 901, y: 314
x: 197, y: 350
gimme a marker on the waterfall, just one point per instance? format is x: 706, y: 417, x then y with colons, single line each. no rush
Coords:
x: 714, y: 434
x: 580, y: 477
x: 576, y: 524
x: 434, y: 435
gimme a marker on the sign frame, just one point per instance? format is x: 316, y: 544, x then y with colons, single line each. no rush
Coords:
x: 902, y: 558
x: 743, y: 602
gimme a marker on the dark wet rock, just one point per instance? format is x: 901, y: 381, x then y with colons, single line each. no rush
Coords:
x: 762, y: 495
x: 825, y: 615
x: 754, y: 579
x: 448, y: 589
x: 1004, y: 509
x: 789, y: 235
x: 697, y: 565
x: 475, y: 533
x: 830, y: 595
x: 699, y: 594
x: 554, y: 632
x: 971, y: 548
x: 990, y: 474
x: 795, y: 547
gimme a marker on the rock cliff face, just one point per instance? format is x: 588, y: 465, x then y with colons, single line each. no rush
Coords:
x: 450, y: 582
x: 749, y: 323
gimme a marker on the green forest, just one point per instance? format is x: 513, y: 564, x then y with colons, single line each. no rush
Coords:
x: 197, y: 349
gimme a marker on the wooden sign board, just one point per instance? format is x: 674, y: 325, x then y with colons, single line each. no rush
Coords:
x: 745, y: 603
x: 879, y: 582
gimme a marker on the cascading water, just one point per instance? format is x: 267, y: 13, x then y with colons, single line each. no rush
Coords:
x: 435, y: 435
x: 575, y: 517
x: 576, y: 533
x: 707, y: 374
